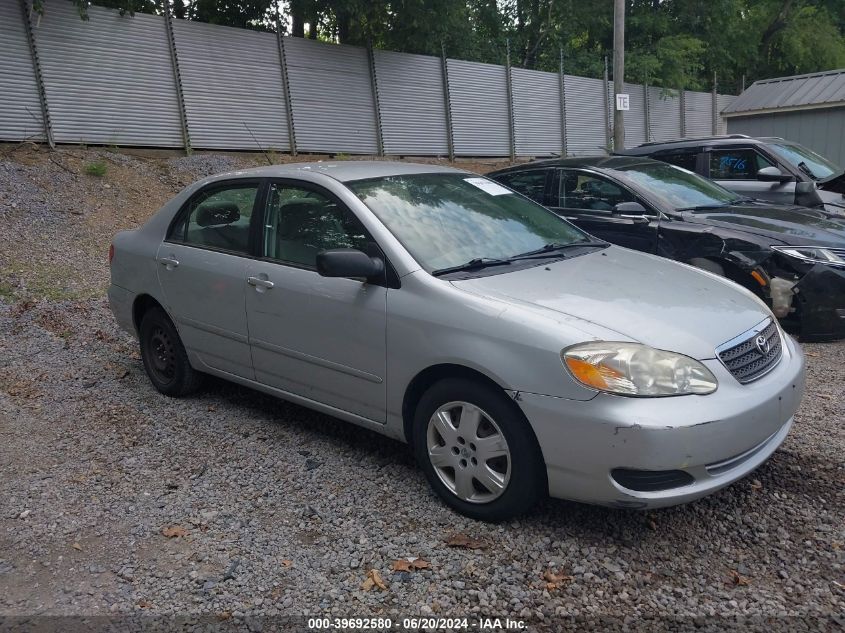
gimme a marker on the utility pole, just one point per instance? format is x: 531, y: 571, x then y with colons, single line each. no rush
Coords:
x: 618, y: 72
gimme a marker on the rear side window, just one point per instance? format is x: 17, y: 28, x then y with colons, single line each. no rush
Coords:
x: 218, y: 218
x: 529, y: 183
x: 736, y: 164
x: 685, y: 160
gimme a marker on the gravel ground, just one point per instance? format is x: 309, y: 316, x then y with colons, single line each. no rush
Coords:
x: 116, y: 499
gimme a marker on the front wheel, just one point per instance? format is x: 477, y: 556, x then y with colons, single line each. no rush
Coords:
x: 478, y: 451
x: 164, y: 356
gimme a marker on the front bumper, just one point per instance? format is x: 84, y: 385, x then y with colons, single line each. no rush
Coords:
x: 821, y: 297
x: 716, y: 439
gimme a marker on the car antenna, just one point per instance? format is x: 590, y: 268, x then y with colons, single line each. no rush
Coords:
x: 266, y: 155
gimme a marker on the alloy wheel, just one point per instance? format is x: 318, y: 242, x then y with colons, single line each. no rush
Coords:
x: 469, y: 452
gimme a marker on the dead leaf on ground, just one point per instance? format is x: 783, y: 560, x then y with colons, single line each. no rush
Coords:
x: 467, y: 542
x: 410, y: 564
x: 826, y: 396
x: 286, y: 562
x: 373, y: 579
x: 224, y: 615
x: 756, y: 485
x: 144, y: 604
x: 555, y: 581
x: 737, y: 580
x: 77, y: 546
x: 813, y: 354
x: 174, y: 531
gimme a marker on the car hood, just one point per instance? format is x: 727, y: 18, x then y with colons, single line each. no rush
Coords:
x: 644, y: 298
x: 778, y: 224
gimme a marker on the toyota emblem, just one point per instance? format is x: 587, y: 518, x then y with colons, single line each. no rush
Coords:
x: 762, y: 344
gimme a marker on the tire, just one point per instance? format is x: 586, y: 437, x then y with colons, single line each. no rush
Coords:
x: 494, y: 488
x: 709, y: 265
x: 164, y: 356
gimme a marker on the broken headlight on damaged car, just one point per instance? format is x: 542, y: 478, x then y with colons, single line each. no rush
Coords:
x: 814, y: 254
x: 632, y: 369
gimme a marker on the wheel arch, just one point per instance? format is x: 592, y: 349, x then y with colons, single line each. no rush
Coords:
x: 144, y: 303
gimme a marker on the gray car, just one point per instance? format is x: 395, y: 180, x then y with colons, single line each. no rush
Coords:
x: 518, y: 355
x: 766, y: 168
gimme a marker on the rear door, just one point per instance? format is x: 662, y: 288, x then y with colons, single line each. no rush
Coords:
x: 202, y: 268
x: 588, y: 199
x: 317, y: 337
x: 736, y: 168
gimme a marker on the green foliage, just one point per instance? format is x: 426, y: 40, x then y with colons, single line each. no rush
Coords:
x: 96, y: 168
x: 669, y: 43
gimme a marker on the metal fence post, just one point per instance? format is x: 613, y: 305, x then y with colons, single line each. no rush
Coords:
x: 607, y: 134
x: 646, y: 113
x: 715, y: 106
x: 177, y: 77
x: 450, y: 134
x: 509, y: 87
x: 39, y: 77
x: 562, y: 85
x: 283, y: 65
x: 374, y: 86
x: 683, y: 101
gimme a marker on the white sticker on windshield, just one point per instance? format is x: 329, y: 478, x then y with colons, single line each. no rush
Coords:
x: 494, y: 189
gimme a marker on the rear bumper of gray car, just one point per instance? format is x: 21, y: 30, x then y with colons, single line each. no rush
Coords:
x: 120, y: 302
x: 690, y: 446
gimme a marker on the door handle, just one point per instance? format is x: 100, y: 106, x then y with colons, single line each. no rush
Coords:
x: 170, y: 262
x: 257, y: 282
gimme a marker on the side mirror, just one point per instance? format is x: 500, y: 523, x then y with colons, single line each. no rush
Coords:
x: 348, y: 262
x: 629, y: 208
x: 773, y: 174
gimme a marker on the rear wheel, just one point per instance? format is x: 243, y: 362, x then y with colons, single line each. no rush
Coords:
x: 477, y: 450
x: 164, y: 356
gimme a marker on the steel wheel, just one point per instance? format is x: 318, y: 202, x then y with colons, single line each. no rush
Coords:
x: 469, y: 452
x: 162, y: 355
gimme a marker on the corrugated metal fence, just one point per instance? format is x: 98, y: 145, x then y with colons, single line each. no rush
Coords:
x: 160, y: 82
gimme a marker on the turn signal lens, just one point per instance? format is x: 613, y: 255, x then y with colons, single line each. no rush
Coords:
x: 632, y: 369
x: 111, y: 252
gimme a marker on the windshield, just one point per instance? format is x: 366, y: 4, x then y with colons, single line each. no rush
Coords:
x: 816, y: 166
x: 447, y: 219
x: 678, y: 188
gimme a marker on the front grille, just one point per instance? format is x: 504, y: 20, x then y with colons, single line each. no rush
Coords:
x: 651, y: 480
x: 745, y: 359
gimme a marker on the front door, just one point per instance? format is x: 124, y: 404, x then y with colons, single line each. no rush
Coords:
x: 201, y: 269
x: 317, y: 337
x: 588, y: 200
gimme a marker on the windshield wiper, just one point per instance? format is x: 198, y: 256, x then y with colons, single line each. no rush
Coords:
x: 708, y: 207
x: 803, y: 167
x: 476, y: 263
x: 550, y: 249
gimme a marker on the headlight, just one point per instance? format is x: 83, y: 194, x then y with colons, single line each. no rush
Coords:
x: 631, y: 369
x: 814, y: 254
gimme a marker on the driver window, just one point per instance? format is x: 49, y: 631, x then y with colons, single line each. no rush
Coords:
x: 592, y: 193
x: 736, y: 164
x: 300, y: 223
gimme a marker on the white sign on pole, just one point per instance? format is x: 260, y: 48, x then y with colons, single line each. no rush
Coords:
x: 623, y: 101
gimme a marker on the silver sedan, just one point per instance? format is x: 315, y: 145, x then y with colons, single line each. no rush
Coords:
x: 518, y: 355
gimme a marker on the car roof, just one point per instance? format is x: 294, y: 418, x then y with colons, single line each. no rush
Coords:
x: 732, y: 139
x: 597, y: 162
x: 343, y: 171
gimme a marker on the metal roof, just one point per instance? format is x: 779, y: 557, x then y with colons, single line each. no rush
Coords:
x: 815, y: 90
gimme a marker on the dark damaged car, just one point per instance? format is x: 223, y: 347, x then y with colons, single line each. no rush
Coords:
x: 791, y: 257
